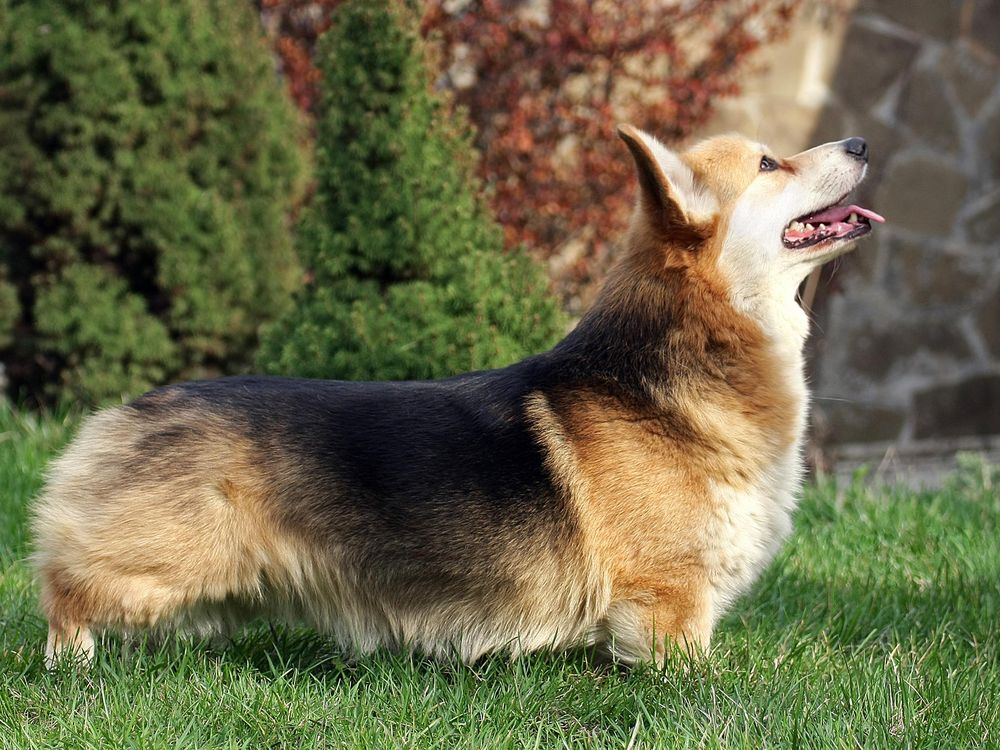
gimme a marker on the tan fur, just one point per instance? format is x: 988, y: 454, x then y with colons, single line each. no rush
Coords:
x: 197, y: 531
x: 645, y: 502
x: 646, y: 489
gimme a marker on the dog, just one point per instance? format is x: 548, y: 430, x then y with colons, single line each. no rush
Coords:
x: 620, y: 490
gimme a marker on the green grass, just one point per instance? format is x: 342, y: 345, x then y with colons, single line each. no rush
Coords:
x: 876, y: 627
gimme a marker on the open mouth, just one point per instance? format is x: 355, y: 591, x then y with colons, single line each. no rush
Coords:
x: 832, y: 223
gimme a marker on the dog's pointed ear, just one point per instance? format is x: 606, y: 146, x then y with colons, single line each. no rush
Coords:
x: 668, y: 191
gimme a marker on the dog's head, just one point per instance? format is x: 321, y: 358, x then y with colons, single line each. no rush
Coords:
x: 731, y: 205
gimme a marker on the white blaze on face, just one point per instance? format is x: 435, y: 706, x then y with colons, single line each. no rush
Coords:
x: 755, y: 257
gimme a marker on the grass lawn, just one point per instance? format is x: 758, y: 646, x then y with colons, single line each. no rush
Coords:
x: 877, y: 627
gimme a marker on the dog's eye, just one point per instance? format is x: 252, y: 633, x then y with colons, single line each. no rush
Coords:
x: 767, y: 164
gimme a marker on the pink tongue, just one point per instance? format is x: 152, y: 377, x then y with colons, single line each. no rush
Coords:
x: 840, y: 213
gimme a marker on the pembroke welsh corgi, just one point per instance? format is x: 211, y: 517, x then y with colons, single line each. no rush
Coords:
x: 621, y: 489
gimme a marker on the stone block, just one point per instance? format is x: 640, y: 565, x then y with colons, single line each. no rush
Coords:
x: 985, y: 26
x: 936, y: 18
x: 883, y: 143
x: 927, y: 275
x: 833, y: 124
x: 922, y: 195
x: 870, y: 62
x: 838, y: 422
x: 971, y: 78
x: 864, y: 263
x: 924, y: 108
x: 988, y: 321
x: 983, y: 224
x: 968, y: 407
x: 989, y: 144
x: 876, y: 348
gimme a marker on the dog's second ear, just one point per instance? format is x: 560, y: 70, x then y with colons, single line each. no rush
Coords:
x: 668, y: 193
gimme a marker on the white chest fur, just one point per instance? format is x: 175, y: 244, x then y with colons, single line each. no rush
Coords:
x: 750, y: 520
x: 747, y: 529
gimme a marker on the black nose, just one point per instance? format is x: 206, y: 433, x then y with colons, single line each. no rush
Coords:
x: 857, y: 148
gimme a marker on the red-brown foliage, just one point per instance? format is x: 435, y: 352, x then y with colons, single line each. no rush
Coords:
x: 294, y: 25
x: 545, y: 82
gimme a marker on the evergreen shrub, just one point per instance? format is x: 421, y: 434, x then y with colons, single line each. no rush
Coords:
x: 149, y: 161
x: 408, y: 275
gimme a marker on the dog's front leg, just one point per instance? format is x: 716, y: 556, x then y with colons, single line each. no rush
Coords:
x: 651, y: 624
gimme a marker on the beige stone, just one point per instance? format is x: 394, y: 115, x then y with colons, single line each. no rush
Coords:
x: 781, y: 103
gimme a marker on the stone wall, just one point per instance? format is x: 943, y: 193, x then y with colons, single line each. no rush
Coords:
x: 782, y: 100
x: 908, y: 344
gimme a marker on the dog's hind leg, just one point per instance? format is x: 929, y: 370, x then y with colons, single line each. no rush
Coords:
x: 76, y: 640
x: 143, y: 525
x: 660, y: 620
x: 76, y: 602
x: 194, y: 576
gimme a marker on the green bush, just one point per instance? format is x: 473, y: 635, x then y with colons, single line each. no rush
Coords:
x: 149, y: 160
x: 409, y: 277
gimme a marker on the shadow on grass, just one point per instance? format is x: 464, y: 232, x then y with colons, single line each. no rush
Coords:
x: 852, y: 615
x: 785, y: 608
x: 278, y: 649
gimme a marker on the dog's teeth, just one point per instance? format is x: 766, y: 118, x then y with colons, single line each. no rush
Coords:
x: 822, y: 227
x: 809, y: 227
x: 853, y: 218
